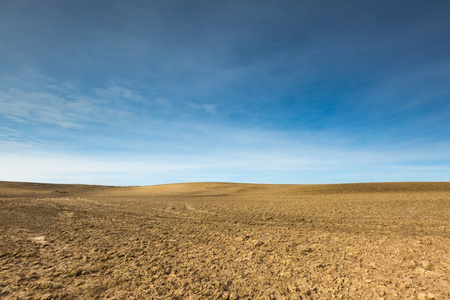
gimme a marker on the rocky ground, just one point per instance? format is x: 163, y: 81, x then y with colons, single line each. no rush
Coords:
x: 225, y: 241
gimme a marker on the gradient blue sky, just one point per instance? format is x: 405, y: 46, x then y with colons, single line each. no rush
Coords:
x: 149, y: 92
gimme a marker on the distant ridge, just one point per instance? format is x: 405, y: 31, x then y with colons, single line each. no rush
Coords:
x: 33, y: 189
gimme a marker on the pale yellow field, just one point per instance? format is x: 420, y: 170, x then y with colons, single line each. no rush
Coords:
x: 225, y: 241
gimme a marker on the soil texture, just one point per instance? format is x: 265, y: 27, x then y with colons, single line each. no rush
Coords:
x: 225, y: 241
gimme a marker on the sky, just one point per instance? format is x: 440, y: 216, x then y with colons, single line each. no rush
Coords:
x: 152, y: 92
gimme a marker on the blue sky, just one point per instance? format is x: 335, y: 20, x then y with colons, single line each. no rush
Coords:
x: 151, y: 92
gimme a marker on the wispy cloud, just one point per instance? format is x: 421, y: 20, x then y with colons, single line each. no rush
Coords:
x: 65, y: 108
x: 12, y: 140
x: 41, y: 108
x: 117, y: 93
x: 229, y: 155
x: 208, y: 108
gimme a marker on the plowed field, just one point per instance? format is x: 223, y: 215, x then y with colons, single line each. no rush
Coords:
x: 225, y: 241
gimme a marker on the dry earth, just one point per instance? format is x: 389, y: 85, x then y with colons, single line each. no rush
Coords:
x: 225, y: 241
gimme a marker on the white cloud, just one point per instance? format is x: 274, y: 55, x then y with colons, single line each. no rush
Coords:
x: 68, y: 111
x: 208, y: 108
x: 267, y: 157
x: 118, y: 93
x: 36, y: 108
x: 151, y: 148
x: 15, y: 140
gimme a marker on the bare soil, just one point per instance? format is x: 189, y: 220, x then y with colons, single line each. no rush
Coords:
x: 225, y: 241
